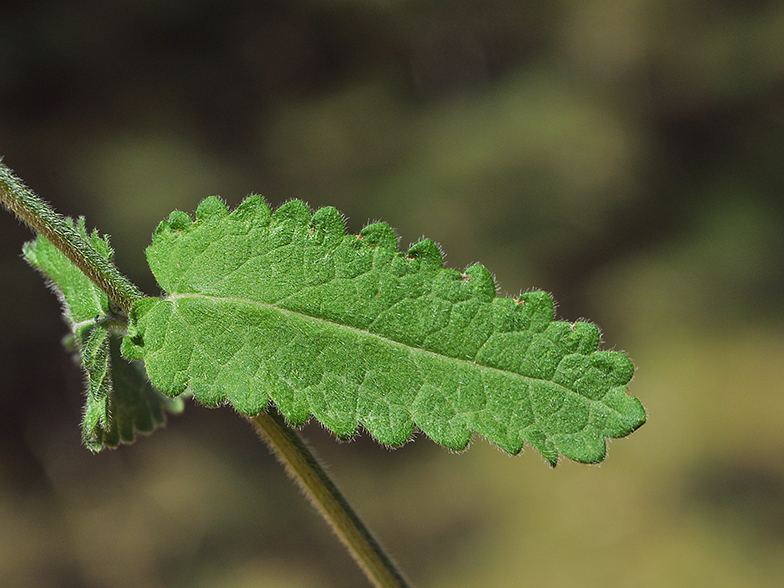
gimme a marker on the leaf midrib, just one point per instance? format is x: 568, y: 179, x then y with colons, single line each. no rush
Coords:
x: 174, y: 297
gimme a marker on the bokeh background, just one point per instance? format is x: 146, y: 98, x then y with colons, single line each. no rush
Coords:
x: 625, y: 155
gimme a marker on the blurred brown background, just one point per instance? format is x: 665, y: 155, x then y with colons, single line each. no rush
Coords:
x: 627, y: 156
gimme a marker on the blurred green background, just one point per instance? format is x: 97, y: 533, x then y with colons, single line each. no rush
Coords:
x: 626, y: 156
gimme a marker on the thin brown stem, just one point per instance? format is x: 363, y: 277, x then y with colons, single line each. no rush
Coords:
x: 303, y: 467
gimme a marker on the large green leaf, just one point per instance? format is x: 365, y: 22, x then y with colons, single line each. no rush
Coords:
x: 119, y: 400
x: 287, y: 307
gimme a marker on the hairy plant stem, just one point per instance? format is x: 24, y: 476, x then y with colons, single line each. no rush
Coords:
x: 302, y: 466
x: 41, y: 218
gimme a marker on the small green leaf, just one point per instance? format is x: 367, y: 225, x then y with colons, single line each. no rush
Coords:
x: 120, y: 401
x: 287, y: 307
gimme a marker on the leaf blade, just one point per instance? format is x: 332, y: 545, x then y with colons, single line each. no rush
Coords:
x: 287, y: 307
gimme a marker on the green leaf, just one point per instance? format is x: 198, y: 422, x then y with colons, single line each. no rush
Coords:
x: 287, y: 307
x: 119, y: 400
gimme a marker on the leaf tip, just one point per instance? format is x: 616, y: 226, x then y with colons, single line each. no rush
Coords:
x: 30, y: 252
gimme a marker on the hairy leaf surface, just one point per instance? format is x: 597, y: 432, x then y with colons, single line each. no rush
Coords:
x: 119, y: 400
x: 288, y: 307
